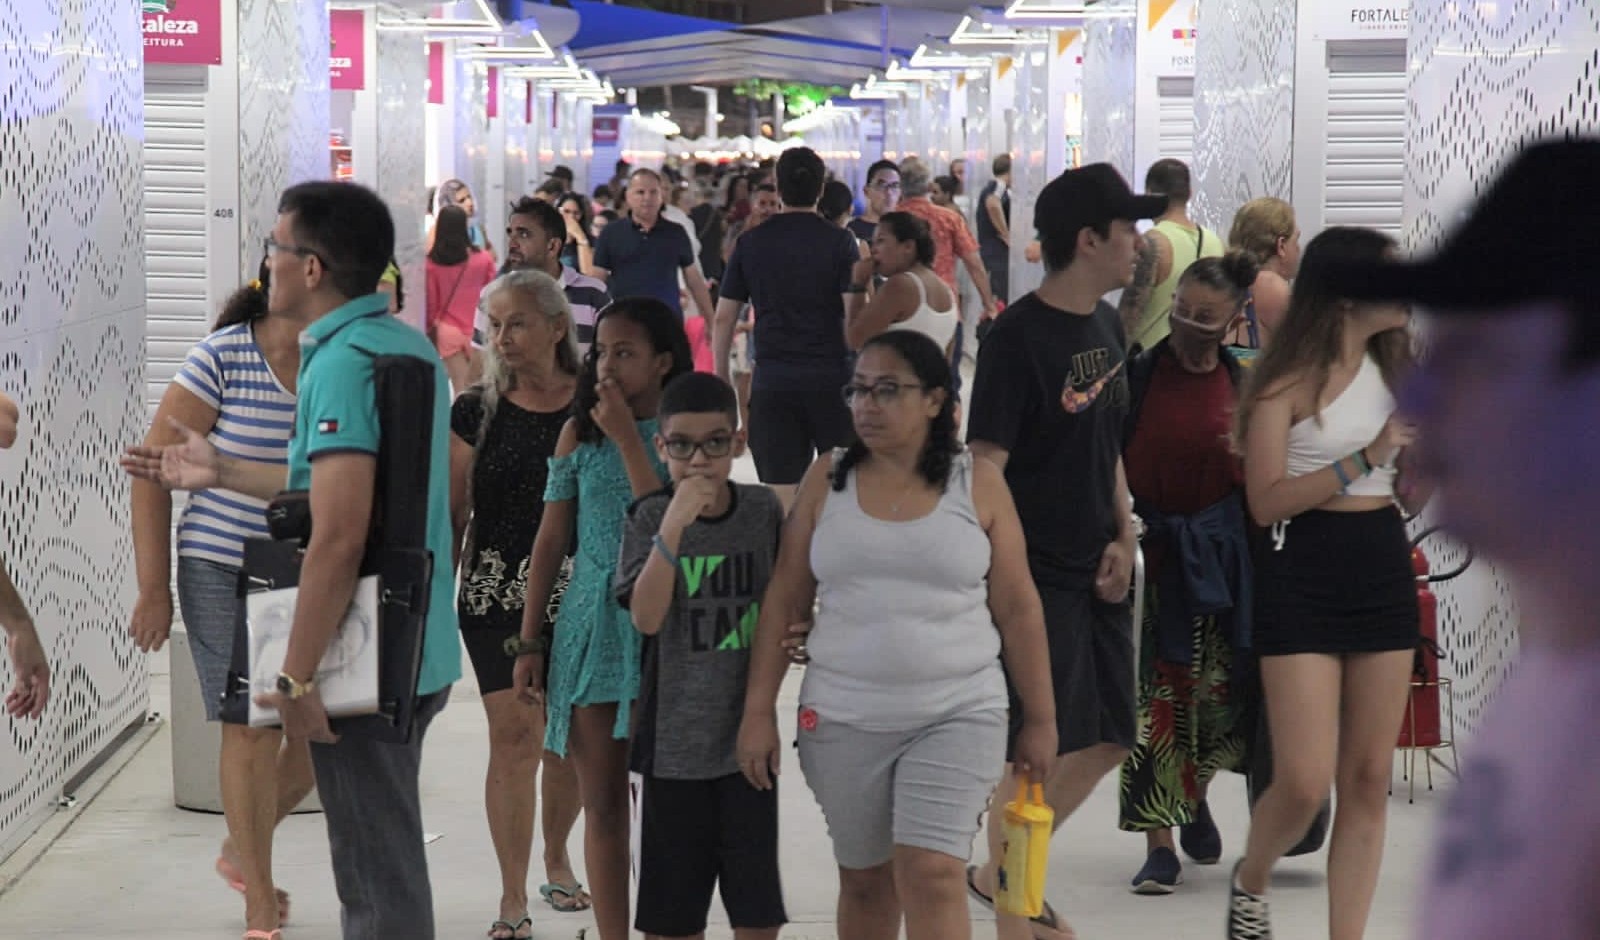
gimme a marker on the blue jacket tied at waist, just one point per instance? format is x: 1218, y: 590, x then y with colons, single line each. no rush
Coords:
x: 1206, y: 572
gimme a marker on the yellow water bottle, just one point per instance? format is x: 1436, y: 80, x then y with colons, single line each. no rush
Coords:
x: 1025, y: 853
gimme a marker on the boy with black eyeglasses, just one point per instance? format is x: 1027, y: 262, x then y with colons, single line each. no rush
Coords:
x: 696, y: 559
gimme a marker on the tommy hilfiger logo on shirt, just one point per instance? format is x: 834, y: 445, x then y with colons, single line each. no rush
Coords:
x: 328, y: 426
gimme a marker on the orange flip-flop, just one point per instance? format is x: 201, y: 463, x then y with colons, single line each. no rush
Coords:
x: 234, y: 879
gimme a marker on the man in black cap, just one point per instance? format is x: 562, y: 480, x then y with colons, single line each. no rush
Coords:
x: 1048, y: 404
x: 1508, y: 399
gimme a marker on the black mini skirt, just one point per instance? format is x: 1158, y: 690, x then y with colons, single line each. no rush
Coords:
x: 1336, y: 582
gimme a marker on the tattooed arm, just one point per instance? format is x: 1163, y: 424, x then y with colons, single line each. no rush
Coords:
x: 1137, y: 294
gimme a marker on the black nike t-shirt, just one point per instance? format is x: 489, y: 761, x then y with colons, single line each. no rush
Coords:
x: 1051, y: 389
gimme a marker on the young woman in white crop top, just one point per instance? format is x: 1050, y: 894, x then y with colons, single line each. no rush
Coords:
x: 915, y: 550
x: 912, y: 297
x: 1336, y: 620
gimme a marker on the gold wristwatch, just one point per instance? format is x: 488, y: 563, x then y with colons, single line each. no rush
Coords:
x: 293, y: 688
x: 520, y: 646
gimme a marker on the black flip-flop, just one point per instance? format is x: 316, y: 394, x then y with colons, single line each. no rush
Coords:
x: 1046, y: 919
x: 972, y: 889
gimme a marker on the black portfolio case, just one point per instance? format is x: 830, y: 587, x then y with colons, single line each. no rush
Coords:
x: 397, y: 551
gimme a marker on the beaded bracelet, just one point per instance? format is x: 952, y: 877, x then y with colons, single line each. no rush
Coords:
x: 661, y: 546
x: 1344, y: 478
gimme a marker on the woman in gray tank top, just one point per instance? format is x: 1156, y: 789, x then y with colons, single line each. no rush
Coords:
x: 915, y: 552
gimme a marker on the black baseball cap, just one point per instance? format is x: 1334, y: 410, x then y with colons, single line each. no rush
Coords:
x: 1530, y: 237
x: 1090, y: 196
x: 562, y: 171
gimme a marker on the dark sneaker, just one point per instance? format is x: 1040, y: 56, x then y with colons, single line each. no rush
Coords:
x: 1248, y: 918
x: 1162, y: 872
x: 1200, y: 839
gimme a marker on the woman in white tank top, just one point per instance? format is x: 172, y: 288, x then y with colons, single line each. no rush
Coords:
x: 1336, y: 617
x: 915, y: 552
x: 912, y: 297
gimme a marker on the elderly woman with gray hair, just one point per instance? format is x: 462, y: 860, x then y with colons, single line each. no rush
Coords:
x: 505, y: 430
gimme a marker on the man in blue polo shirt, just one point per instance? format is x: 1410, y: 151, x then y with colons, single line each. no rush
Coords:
x: 326, y: 254
x: 641, y: 255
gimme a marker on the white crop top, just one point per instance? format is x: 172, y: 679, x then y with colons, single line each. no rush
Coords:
x: 1348, y: 423
x: 937, y: 325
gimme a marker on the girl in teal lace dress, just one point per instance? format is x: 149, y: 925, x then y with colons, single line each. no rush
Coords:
x: 603, y: 462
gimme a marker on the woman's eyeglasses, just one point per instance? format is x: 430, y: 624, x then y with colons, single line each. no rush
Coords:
x: 681, y: 448
x: 883, y: 394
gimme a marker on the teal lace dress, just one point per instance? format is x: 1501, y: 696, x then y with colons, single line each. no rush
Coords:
x: 595, y: 658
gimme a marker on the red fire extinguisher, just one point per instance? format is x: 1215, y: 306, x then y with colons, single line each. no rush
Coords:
x: 1421, y: 725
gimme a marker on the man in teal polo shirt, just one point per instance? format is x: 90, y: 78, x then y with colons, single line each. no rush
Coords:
x: 328, y: 251
x: 326, y: 254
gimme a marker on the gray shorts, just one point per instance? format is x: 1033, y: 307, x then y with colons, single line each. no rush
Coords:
x: 207, y: 597
x: 926, y: 788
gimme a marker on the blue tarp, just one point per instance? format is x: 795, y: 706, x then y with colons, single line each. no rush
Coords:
x: 605, y: 24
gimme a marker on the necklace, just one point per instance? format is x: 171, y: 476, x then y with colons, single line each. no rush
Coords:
x: 894, y: 507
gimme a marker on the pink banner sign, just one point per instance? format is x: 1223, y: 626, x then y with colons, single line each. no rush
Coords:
x: 436, y: 73
x: 182, y: 32
x: 494, y: 91
x: 347, y: 53
x: 607, y: 129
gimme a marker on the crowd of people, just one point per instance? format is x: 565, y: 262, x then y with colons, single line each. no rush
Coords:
x: 627, y: 607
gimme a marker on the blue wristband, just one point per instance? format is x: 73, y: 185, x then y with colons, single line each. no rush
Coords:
x: 1344, y: 479
x: 661, y: 546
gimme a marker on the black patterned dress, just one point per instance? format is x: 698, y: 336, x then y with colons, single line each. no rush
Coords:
x: 507, y: 492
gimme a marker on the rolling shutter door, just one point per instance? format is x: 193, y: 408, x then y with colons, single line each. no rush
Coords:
x: 1366, y: 144
x: 178, y: 309
x: 1176, y: 97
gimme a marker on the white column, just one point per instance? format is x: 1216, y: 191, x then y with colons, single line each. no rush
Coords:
x: 1166, y: 32
x: 1244, y: 91
x: 401, y: 82
x: 1109, y: 77
x: 283, y: 111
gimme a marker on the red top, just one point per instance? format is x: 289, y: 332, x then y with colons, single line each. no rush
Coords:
x: 1180, y: 459
x: 951, y: 239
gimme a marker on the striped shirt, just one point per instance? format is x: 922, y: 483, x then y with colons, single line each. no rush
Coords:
x: 255, y: 418
x: 586, y: 296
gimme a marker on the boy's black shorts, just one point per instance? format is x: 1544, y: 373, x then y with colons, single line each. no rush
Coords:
x: 698, y: 835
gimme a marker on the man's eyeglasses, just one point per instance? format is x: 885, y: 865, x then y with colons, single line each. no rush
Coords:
x: 272, y: 247
x: 884, y: 185
x: 681, y: 448
x: 883, y: 394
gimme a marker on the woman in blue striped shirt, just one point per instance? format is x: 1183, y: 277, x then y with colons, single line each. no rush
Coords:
x: 238, y: 384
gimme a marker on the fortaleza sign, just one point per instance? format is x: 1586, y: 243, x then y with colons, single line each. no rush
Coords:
x: 182, y: 32
x: 1364, y: 19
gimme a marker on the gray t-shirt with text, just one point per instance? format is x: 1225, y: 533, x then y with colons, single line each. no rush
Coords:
x: 692, y: 673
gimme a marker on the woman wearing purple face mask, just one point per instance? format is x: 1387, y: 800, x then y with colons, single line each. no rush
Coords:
x: 1187, y: 487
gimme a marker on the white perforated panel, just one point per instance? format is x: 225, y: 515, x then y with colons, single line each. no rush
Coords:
x: 71, y: 352
x: 1108, y: 92
x: 1486, y: 78
x: 283, y: 111
x: 1244, y: 106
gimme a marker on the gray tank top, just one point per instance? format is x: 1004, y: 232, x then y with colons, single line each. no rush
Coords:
x: 903, y: 635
